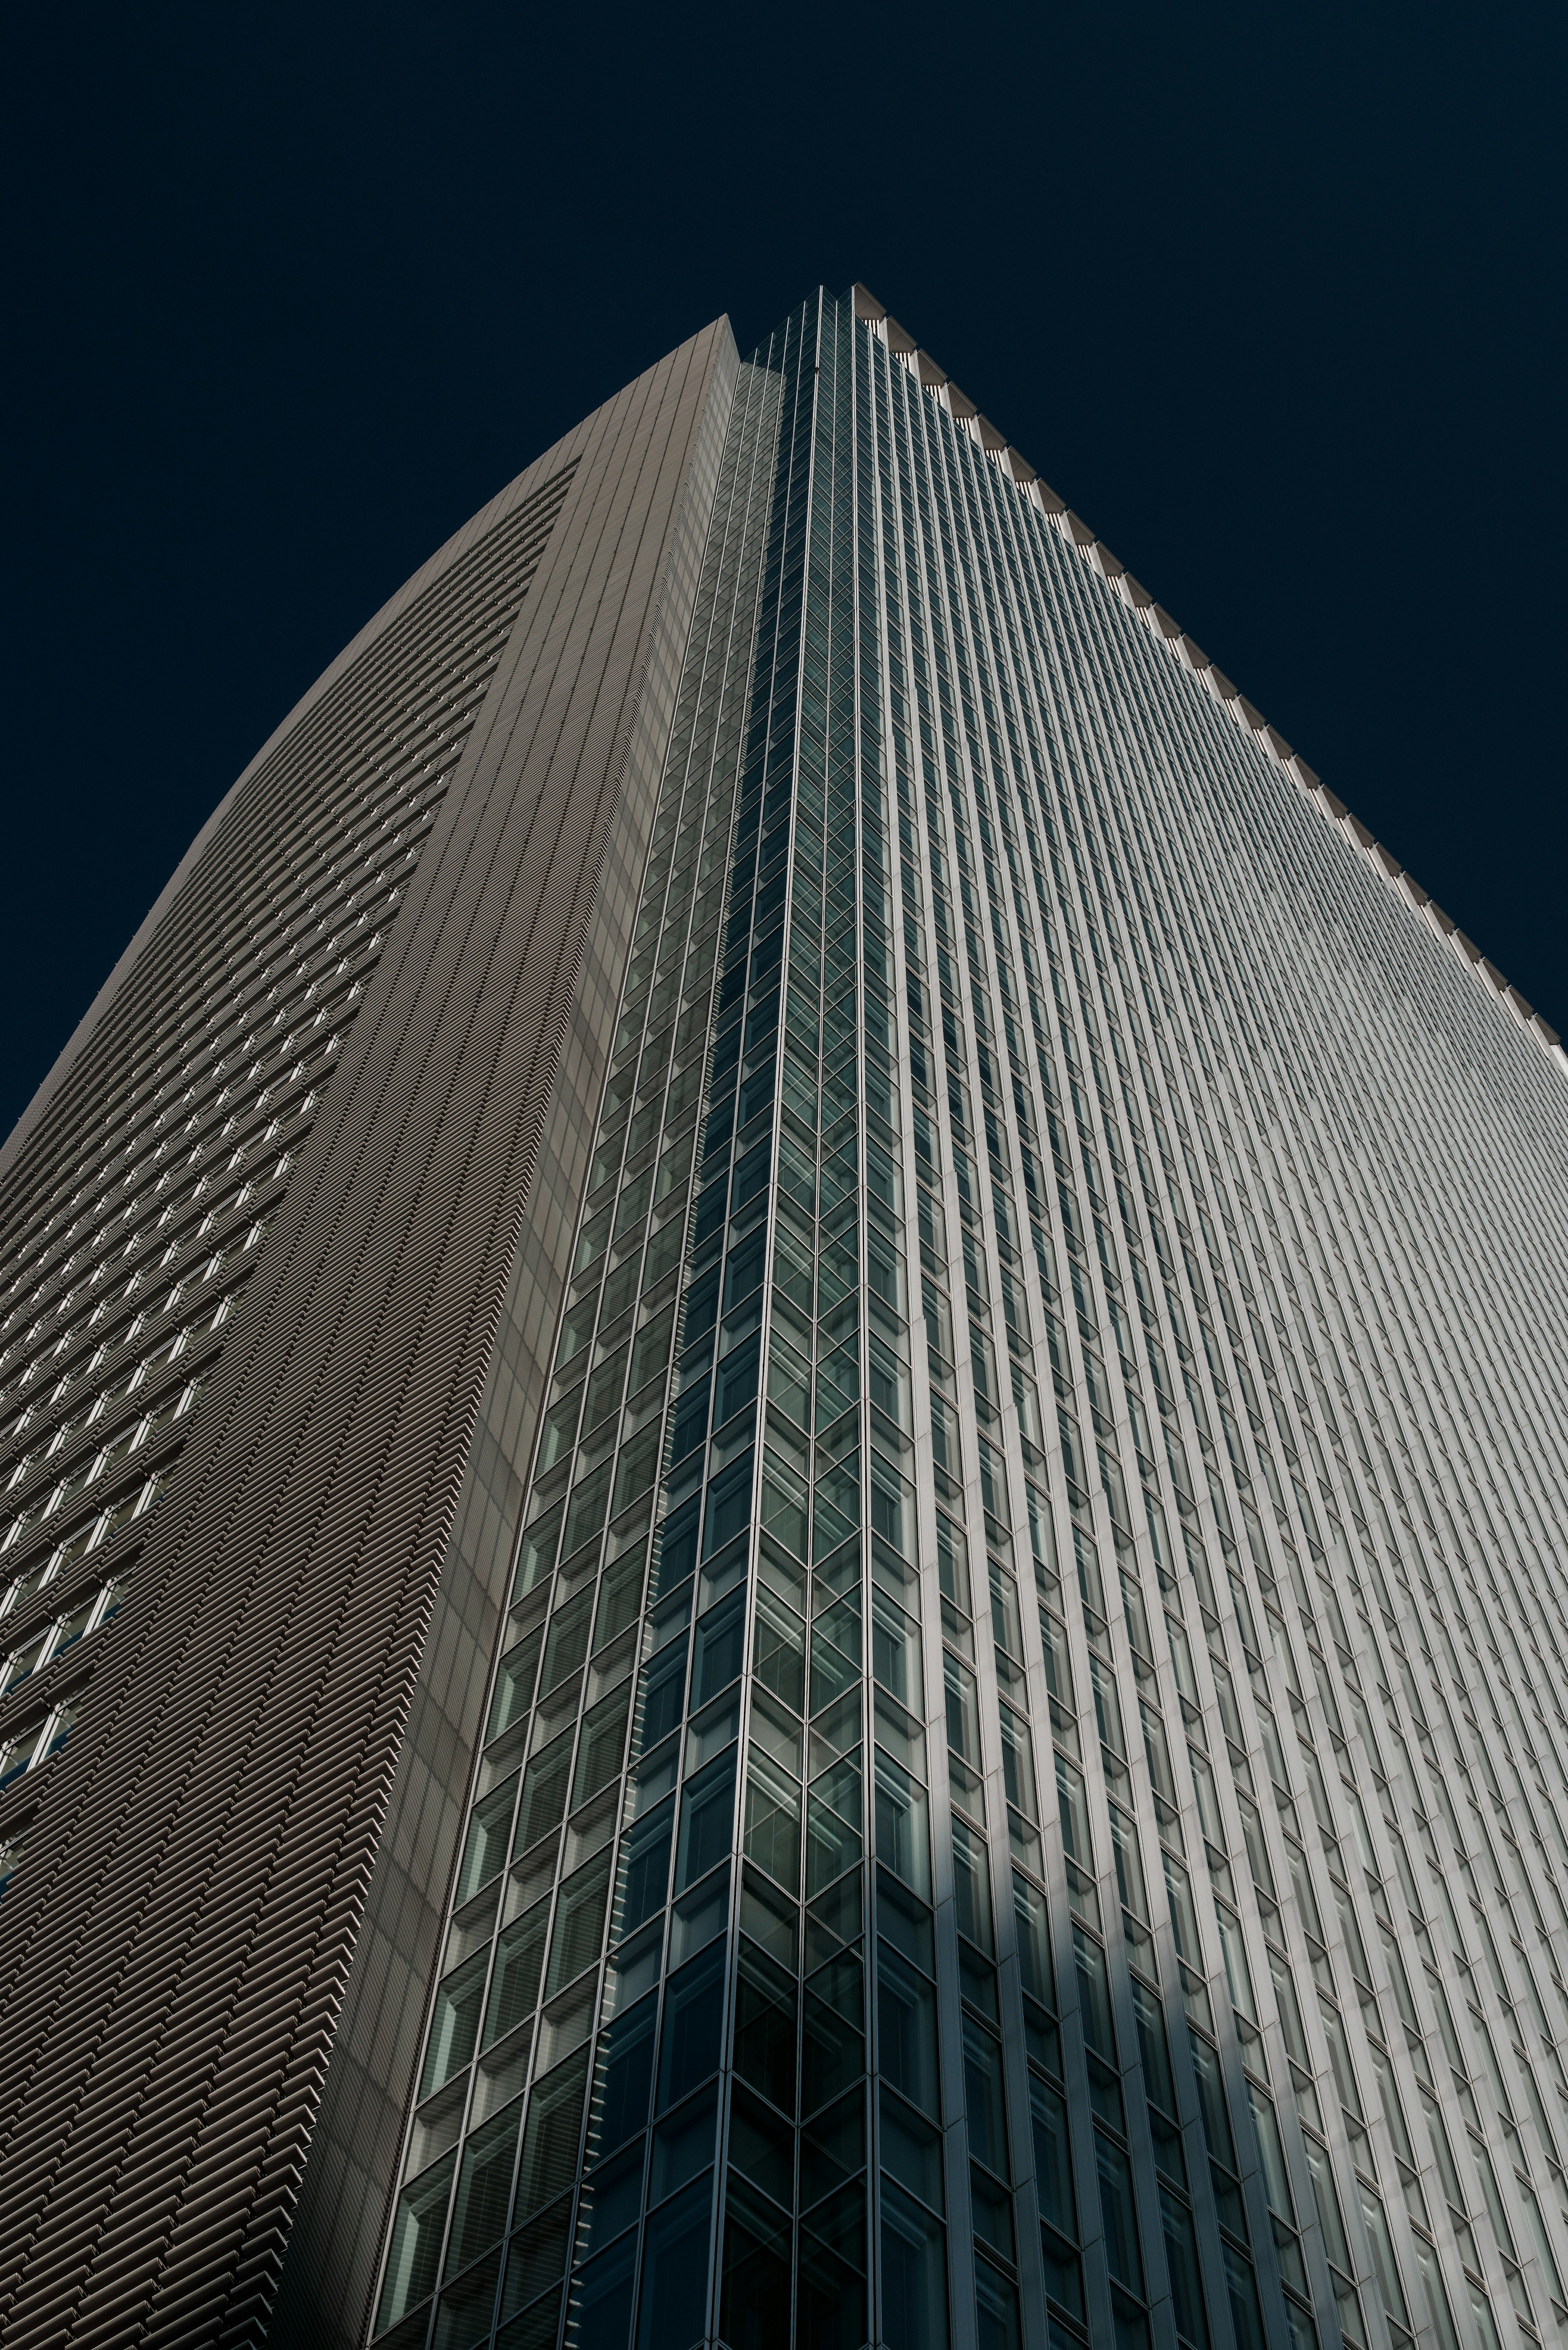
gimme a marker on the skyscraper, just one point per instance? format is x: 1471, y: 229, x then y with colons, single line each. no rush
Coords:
x: 780, y: 1416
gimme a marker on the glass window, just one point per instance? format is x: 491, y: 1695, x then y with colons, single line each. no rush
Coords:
x: 1118, y: 2213
x: 1018, y: 1762
x: 765, y: 2008
x: 662, y: 1695
x: 737, y: 1380
x: 911, y: 2150
x: 602, y: 1744
x: 553, y: 2136
x: 418, y: 2228
x: 625, y: 2075
x: 1246, y: 2315
x: 984, y: 2098
x: 996, y: 2308
x: 833, y: 2046
x: 519, y: 1961
x: 772, y: 1820
x: 580, y: 1923
x: 729, y: 1504
x: 902, y: 1837
x: 1094, y: 1994
x: 755, y: 2312
x: 544, y: 1793
x: 693, y: 2013
x: 896, y: 1651
x: 1382, y: 2261
x: 645, y: 1866
x: 484, y: 2188
x: 1053, y: 2157
x: 907, y: 2030
x: 455, y: 2023
x: 514, y: 1683
x: 1181, y: 2259
x: 485, y: 1848
x: 673, y: 2305
x: 719, y: 1647
x: 707, y: 1821
x: 683, y: 2144
x: 971, y: 1886
x: 1033, y: 1940
x: 601, y: 2316
x: 914, y: 2274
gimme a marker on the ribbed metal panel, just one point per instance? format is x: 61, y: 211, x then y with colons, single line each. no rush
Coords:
x: 235, y: 1872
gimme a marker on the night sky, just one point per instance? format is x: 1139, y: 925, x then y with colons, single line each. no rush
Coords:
x: 1273, y: 297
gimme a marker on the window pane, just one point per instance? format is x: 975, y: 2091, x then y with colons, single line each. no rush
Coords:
x: 719, y: 1643
x: 1053, y: 2157
x: 907, y: 2030
x: 1245, y: 2314
x: 962, y: 1708
x: 644, y: 1867
x: 551, y: 2140
x: 484, y: 2186
x: 911, y: 2150
x: 1388, y: 2281
x: 995, y: 2309
x: 519, y: 1958
x: 766, y: 2001
x: 755, y: 2314
x: 833, y: 2044
x: 1181, y: 2258
x: 600, y: 2314
x: 1033, y: 1940
x: 772, y: 1821
x: 1153, y: 2046
x: 1118, y: 2212
x: 625, y: 2076
x: 914, y: 2275
x: 902, y: 1840
x: 1094, y: 1994
x: 1018, y: 1763
x: 580, y: 1923
x: 707, y: 1821
x: 486, y: 1846
x: 416, y: 2243
x: 972, y: 1888
x: 455, y: 2023
x: 674, y: 2303
x: 693, y: 2011
x: 984, y: 2098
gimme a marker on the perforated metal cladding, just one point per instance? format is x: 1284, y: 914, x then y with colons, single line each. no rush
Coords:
x: 277, y: 1700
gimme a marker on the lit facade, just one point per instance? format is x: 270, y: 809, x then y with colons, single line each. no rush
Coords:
x: 1001, y: 1605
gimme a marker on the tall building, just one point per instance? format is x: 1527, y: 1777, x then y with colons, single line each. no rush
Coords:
x: 784, y: 1474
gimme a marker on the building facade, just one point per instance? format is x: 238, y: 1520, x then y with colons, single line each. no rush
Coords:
x: 781, y: 1426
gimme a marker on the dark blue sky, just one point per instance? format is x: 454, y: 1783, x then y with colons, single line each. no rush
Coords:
x: 1273, y: 299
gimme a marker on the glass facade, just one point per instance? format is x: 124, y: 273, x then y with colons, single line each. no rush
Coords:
x: 1023, y: 1796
